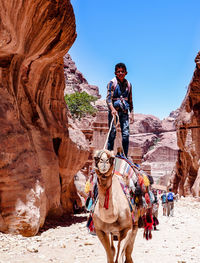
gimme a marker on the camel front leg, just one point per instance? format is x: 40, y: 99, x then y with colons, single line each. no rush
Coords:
x: 104, y: 238
x: 127, y: 245
x: 130, y: 245
x: 112, y: 246
x: 118, y: 249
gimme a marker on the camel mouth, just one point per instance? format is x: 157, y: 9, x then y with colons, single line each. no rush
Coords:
x: 104, y: 176
x: 103, y: 172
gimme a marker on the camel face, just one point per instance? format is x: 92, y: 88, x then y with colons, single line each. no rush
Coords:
x: 104, y: 164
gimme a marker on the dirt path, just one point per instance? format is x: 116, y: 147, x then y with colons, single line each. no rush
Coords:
x: 176, y: 241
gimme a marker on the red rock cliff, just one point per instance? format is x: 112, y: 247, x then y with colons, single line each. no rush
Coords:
x: 39, y: 153
x: 186, y: 175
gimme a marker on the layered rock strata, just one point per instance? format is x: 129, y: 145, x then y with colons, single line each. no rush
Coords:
x: 39, y: 153
x: 186, y: 175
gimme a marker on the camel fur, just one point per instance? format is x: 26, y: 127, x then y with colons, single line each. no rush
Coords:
x: 115, y: 219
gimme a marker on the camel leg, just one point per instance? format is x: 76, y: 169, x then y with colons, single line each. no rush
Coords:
x: 112, y: 246
x: 122, y: 245
x: 104, y: 238
x: 127, y: 246
x: 130, y: 245
x: 118, y: 249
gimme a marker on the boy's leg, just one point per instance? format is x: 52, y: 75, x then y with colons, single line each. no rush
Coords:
x: 112, y: 134
x: 124, y: 124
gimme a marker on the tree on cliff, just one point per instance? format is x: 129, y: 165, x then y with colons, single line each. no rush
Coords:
x: 79, y: 104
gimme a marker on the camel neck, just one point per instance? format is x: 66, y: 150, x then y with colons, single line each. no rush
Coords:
x: 105, y: 184
x: 105, y: 195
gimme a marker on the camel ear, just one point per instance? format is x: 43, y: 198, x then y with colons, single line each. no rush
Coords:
x: 112, y: 155
x: 97, y: 155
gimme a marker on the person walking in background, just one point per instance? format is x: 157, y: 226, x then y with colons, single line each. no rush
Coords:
x: 164, y: 203
x: 119, y: 101
x: 170, y: 203
x: 155, y: 207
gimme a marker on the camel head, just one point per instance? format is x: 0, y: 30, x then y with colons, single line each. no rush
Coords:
x: 104, y: 163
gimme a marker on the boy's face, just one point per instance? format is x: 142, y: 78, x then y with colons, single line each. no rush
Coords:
x: 120, y: 73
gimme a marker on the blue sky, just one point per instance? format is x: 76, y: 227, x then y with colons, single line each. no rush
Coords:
x: 158, y: 41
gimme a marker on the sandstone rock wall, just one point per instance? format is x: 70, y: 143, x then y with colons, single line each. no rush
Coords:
x: 157, y: 139
x: 186, y: 174
x: 39, y: 153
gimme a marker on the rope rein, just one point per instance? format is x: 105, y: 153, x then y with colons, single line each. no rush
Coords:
x: 116, y: 123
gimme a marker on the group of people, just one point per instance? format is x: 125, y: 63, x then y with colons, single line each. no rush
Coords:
x: 167, y: 199
x: 168, y: 203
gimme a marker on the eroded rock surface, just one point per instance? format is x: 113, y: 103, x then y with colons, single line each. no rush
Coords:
x: 186, y: 175
x: 39, y: 154
x: 157, y: 139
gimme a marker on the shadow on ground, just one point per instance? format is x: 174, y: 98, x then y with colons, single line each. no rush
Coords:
x: 63, y: 221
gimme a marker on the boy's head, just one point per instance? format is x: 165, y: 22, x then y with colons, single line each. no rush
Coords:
x: 120, y: 71
x: 120, y: 65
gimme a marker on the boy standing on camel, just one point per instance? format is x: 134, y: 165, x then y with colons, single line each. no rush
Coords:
x: 119, y: 100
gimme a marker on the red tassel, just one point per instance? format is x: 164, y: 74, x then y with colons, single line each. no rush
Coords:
x: 106, y: 202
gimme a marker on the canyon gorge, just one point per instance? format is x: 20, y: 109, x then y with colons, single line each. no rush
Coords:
x: 45, y: 154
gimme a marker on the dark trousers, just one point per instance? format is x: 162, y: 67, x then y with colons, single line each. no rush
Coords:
x: 124, y: 124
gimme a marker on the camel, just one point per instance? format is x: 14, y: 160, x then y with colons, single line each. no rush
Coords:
x: 112, y: 216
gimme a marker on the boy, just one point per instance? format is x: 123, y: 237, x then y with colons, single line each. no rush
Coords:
x: 119, y: 100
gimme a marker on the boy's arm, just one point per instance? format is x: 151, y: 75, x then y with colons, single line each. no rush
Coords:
x: 109, y: 98
x: 130, y: 101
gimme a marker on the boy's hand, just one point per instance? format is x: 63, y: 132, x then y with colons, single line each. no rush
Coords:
x: 113, y: 112
x: 131, y: 116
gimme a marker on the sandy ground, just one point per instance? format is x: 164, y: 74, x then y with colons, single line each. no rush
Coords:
x: 176, y: 241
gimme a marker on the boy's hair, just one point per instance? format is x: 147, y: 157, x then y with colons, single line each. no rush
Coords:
x: 120, y: 65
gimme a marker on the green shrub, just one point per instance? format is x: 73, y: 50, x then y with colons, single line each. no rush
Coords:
x: 79, y: 104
